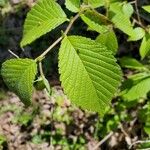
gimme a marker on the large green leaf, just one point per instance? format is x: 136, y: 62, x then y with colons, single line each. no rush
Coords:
x: 88, y: 72
x: 19, y: 75
x: 119, y: 18
x: 95, y: 21
x: 145, y: 46
x: 73, y: 5
x: 43, y: 17
x: 109, y: 39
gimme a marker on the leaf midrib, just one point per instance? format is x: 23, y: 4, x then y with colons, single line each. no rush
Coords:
x: 88, y: 76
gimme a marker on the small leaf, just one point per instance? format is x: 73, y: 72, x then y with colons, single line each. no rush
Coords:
x: 95, y: 21
x: 109, y: 39
x: 42, y: 83
x: 73, y: 5
x: 43, y: 17
x: 147, y: 8
x: 19, y: 75
x: 145, y: 46
x: 95, y: 3
x: 137, y: 90
x: 88, y: 72
x: 120, y: 20
x: 131, y: 63
x: 128, y: 9
x: 137, y: 34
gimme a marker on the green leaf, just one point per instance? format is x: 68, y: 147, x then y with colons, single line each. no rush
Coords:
x: 137, y: 34
x: 88, y: 72
x: 95, y: 21
x: 19, y: 75
x: 147, y: 8
x: 136, y: 87
x: 95, y: 3
x: 120, y: 20
x: 109, y: 39
x: 3, y: 3
x: 128, y: 9
x: 131, y: 63
x: 43, y: 17
x: 145, y: 46
x: 73, y: 5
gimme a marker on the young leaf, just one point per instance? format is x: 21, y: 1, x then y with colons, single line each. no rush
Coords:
x: 145, y: 46
x: 43, y: 17
x: 88, y: 72
x: 109, y: 39
x: 73, y: 5
x: 131, y: 63
x: 137, y: 34
x: 95, y: 3
x: 120, y: 20
x: 95, y: 21
x: 147, y: 8
x: 128, y: 9
x: 138, y: 88
x: 19, y: 75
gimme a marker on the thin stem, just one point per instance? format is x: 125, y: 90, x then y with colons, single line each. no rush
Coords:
x: 103, y: 140
x: 59, y: 39
x: 41, y: 69
x: 11, y: 52
x: 133, y: 2
x: 137, y: 11
x: 140, y: 24
x: 139, y: 142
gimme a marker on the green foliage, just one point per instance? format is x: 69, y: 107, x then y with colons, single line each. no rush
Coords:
x: 42, y: 83
x: 94, y: 3
x: 137, y: 34
x: 43, y: 17
x: 147, y: 8
x: 109, y: 39
x: 127, y: 9
x: 73, y: 5
x: 19, y: 75
x: 89, y: 73
x: 95, y: 21
x: 2, y: 3
x: 131, y: 63
x: 120, y: 19
x: 145, y: 46
x: 137, y: 86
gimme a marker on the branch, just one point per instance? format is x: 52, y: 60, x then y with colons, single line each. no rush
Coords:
x: 11, y: 52
x: 137, y: 11
x: 103, y: 140
x: 139, y: 142
x: 39, y: 58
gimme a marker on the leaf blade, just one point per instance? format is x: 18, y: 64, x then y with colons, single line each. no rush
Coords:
x: 73, y: 5
x: 19, y: 75
x: 79, y: 75
x: 43, y: 17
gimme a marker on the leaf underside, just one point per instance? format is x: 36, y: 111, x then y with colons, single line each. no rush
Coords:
x: 19, y: 74
x: 43, y: 17
x: 138, y: 88
x: 88, y: 72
